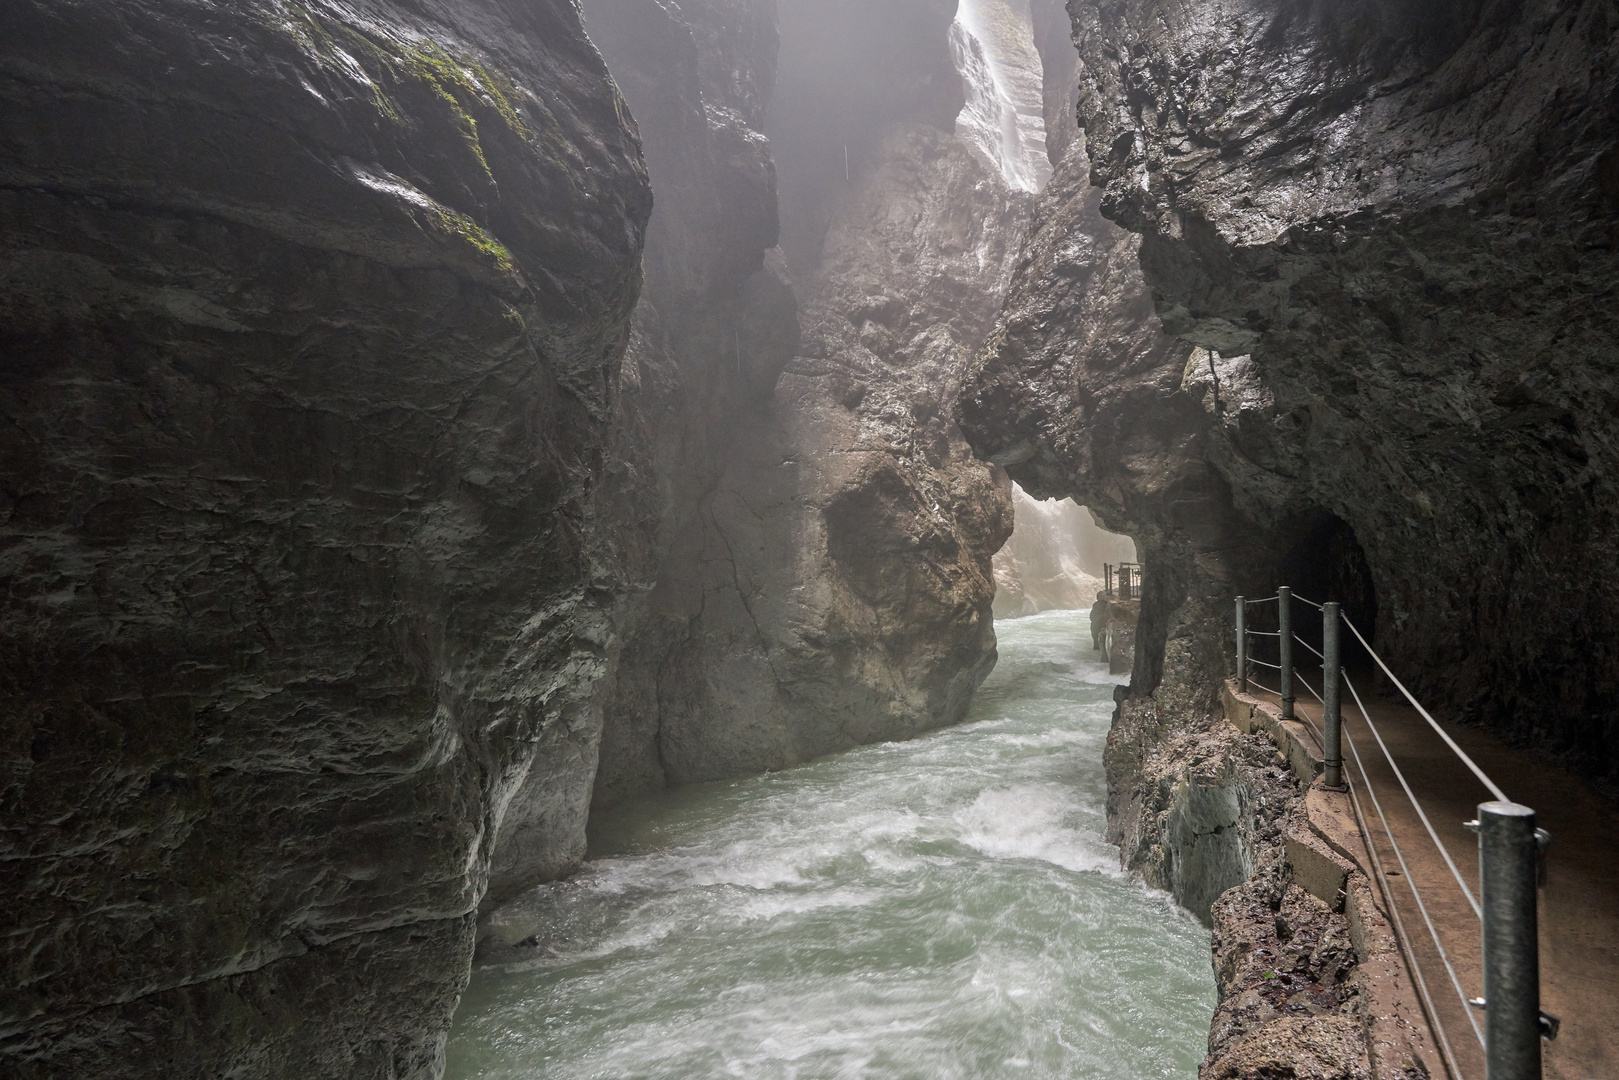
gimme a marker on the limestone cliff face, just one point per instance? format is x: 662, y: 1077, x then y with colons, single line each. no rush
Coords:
x: 850, y: 69
x: 1406, y: 219
x: 1059, y: 75
x: 1394, y: 231
x: 715, y: 324
x: 313, y: 319
x: 826, y: 580
x: 844, y: 588
x: 1078, y: 393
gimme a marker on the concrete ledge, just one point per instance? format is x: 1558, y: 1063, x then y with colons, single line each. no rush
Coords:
x: 1398, y: 1037
x: 1317, y: 869
x: 1297, y: 742
x: 1331, y: 862
x: 1332, y: 818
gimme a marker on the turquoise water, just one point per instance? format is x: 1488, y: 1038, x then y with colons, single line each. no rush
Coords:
x: 945, y: 907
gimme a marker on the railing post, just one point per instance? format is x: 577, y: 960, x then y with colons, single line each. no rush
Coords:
x: 1331, y: 698
x: 1284, y: 620
x: 1242, y: 645
x: 1507, y: 852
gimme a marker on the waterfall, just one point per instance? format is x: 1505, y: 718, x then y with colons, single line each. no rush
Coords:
x: 993, y: 45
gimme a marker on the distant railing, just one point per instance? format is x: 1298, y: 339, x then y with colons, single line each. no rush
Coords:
x: 1510, y: 848
x: 1124, y: 577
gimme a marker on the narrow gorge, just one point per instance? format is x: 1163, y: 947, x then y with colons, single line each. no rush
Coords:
x: 559, y: 537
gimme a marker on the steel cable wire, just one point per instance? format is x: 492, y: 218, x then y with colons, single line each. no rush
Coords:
x: 1457, y: 750
x: 1410, y: 882
x: 1315, y: 695
x: 1409, y: 794
x: 1401, y: 935
x: 1312, y: 648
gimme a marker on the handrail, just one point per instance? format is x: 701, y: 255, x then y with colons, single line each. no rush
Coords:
x: 1313, y: 694
x: 1505, y: 903
x: 1458, y: 751
x: 1417, y: 806
x: 1399, y: 921
x: 1411, y: 884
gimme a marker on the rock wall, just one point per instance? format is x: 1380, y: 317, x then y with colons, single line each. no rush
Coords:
x: 849, y: 70
x: 313, y: 322
x: 1352, y: 342
x: 1078, y: 393
x: 716, y: 322
x: 1059, y: 75
x: 1394, y: 228
x: 828, y: 583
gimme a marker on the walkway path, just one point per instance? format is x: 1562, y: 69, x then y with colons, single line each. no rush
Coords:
x: 1579, y: 910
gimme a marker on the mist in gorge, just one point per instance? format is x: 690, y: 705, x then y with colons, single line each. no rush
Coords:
x: 1056, y: 558
x: 807, y: 538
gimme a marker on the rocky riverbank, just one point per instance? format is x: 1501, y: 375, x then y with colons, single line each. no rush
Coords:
x: 1227, y: 812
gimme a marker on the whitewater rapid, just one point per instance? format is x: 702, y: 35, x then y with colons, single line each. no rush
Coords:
x: 945, y: 907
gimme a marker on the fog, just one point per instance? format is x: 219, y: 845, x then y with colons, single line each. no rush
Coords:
x: 1055, y: 557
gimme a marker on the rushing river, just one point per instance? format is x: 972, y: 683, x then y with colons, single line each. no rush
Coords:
x: 940, y: 908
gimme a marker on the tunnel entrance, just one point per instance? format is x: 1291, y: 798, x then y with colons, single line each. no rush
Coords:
x: 1325, y: 563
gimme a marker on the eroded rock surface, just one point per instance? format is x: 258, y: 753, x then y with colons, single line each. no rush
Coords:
x: 1284, y: 961
x: 312, y: 320
x: 1368, y: 366
x: 1195, y: 807
x: 836, y: 584
x: 828, y: 581
x: 1396, y: 228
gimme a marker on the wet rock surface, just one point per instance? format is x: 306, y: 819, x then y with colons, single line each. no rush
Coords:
x: 835, y: 586
x: 825, y: 579
x: 1288, y: 1007
x: 1395, y: 229
x: 1214, y: 815
x: 1078, y: 393
x: 1195, y: 807
x: 312, y: 319
x: 716, y: 323
x: 1220, y: 818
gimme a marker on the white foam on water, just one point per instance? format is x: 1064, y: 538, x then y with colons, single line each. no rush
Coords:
x: 945, y: 907
x: 1028, y: 821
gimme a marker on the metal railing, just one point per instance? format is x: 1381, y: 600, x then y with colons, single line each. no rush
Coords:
x: 1126, y: 577
x: 1510, y: 847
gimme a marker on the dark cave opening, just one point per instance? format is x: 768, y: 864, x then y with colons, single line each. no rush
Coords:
x: 1325, y: 563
